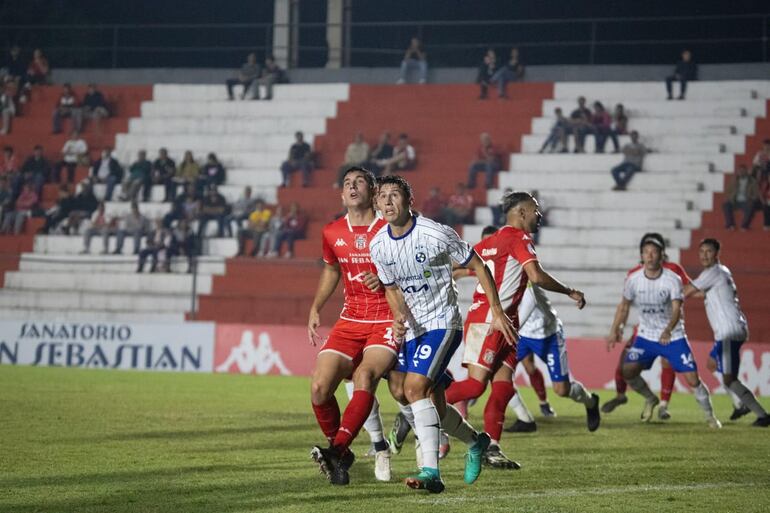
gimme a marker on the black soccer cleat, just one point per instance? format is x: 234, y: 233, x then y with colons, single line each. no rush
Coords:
x: 593, y: 417
x: 613, y: 403
x: 546, y: 410
x: 762, y: 421
x: 494, y: 457
x: 739, y: 412
x: 332, y: 465
x: 325, y: 459
x: 522, y: 427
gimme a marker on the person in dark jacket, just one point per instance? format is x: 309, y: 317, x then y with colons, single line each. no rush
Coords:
x: 685, y: 71
x: 107, y: 170
x: 486, y: 71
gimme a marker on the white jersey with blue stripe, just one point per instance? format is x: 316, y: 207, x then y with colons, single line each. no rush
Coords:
x: 419, y: 262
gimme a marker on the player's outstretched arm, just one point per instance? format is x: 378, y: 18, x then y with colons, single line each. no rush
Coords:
x: 691, y: 290
x: 500, y: 322
x: 540, y: 277
x: 330, y: 277
x: 618, y: 323
x: 676, y: 314
x: 399, y: 309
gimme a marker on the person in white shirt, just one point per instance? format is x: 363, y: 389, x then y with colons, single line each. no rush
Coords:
x: 74, y: 152
x: 414, y: 257
x: 658, y: 294
x: 730, y: 328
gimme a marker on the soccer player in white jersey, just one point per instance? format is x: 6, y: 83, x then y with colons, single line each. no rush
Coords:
x: 729, y: 324
x: 414, y: 257
x: 658, y: 294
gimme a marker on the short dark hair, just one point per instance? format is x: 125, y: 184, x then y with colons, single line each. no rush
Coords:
x: 652, y: 238
x: 488, y: 230
x: 714, y: 243
x: 368, y: 175
x: 399, y: 181
x: 513, y: 199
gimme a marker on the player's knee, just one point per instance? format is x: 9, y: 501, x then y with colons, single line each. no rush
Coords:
x: 414, y: 392
x: 561, y: 388
x: 629, y: 372
x: 692, y: 379
x: 320, y: 392
x: 364, y: 378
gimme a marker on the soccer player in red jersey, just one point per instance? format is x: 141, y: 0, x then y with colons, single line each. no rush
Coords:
x: 510, y: 256
x: 667, y: 375
x: 361, y: 342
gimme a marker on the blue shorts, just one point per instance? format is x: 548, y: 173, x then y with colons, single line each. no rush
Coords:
x: 678, y: 354
x: 551, y: 350
x: 727, y: 354
x: 429, y: 354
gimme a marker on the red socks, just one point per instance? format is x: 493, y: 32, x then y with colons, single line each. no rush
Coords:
x: 328, y: 417
x: 667, y: 378
x: 356, y: 413
x: 620, y: 383
x: 494, y: 412
x: 464, y: 390
x: 538, y: 384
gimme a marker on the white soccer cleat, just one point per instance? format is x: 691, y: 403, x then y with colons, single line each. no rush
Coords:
x: 713, y: 422
x: 418, y: 453
x: 649, y: 408
x: 382, y: 465
x: 663, y: 413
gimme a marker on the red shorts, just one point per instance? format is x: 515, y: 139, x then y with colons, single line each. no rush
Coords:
x: 350, y: 339
x: 487, y: 350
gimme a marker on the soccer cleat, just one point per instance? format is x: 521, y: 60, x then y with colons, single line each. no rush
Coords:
x: 443, y: 445
x: 762, y: 421
x: 649, y: 408
x: 593, y: 417
x: 418, y: 452
x: 382, y: 465
x: 427, y: 479
x: 546, y: 410
x: 613, y: 403
x: 398, y: 433
x: 522, y: 427
x: 739, y: 412
x: 713, y: 422
x: 326, y: 459
x: 474, y: 457
x: 663, y: 413
x: 494, y: 457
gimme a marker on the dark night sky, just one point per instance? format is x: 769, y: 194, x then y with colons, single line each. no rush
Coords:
x: 381, y: 46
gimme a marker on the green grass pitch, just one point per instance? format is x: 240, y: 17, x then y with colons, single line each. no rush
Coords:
x: 106, y: 441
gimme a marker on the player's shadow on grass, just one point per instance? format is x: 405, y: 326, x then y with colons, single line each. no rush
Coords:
x: 191, y: 433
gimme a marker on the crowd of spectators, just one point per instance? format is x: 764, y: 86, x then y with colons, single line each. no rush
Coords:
x: 251, y: 77
x: 383, y: 160
x: 748, y: 191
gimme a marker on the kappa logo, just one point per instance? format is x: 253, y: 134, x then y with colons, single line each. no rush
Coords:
x: 251, y: 359
x: 339, y: 243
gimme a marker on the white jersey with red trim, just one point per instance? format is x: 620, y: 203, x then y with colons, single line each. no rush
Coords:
x: 348, y: 246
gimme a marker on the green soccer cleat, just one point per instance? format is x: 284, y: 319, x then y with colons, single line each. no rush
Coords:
x: 474, y: 457
x: 428, y: 479
x: 398, y: 433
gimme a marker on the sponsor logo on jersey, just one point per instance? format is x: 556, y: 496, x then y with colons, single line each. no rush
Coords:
x: 360, y: 241
x: 340, y: 242
x: 488, y: 252
x: 411, y: 289
x: 427, y: 274
x: 420, y: 257
x: 358, y: 277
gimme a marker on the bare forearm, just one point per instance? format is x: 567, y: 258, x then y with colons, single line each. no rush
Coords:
x: 676, y: 314
x: 548, y: 282
x: 326, y: 286
x: 621, y: 316
x: 396, y: 302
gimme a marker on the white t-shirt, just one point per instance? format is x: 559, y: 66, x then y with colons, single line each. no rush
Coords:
x: 653, y: 298
x: 537, y: 316
x: 72, y: 149
x: 722, y: 307
x: 420, y: 263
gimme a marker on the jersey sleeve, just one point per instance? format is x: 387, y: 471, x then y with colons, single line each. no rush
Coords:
x: 629, y: 291
x: 706, y: 280
x: 522, y: 249
x: 527, y: 305
x: 383, y: 271
x: 328, y: 252
x: 676, y: 289
x: 460, y: 251
x: 679, y: 270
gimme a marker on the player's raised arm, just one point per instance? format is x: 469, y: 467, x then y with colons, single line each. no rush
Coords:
x: 327, y: 283
x: 618, y: 323
x: 500, y: 322
x: 542, y: 278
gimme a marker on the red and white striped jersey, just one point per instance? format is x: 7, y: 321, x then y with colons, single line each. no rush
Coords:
x: 348, y: 246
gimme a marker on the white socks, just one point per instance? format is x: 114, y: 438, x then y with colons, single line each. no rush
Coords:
x: 406, y: 411
x: 579, y: 394
x: 427, y: 426
x: 520, y: 409
x: 454, y: 424
x: 704, y: 399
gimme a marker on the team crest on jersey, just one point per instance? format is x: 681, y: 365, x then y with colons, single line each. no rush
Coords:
x: 420, y: 257
x: 489, y: 357
x: 360, y: 241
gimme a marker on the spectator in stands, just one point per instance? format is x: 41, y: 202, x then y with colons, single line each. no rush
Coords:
x: 23, y: 206
x: 7, y: 108
x: 163, y: 172
x: 6, y: 198
x: 268, y: 246
x: 67, y: 107
x: 212, y: 173
x: 187, y: 173
x: 74, y: 153
x: 102, y: 226
x: 619, y: 120
x: 38, y: 72
x: 433, y: 206
x: 510, y: 71
x: 83, y: 206
x: 558, y: 134
x: 13, y: 68
x: 158, y: 242
x: 257, y: 227
x: 271, y: 74
x: 459, y: 208
x: 183, y: 242
x: 382, y: 152
x: 762, y: 158
x: 356, y: 154
x: 300, y: 158
x: 414, y: 58
x: 498, y: 216
x: 633, y: 158
x: 403, y: 159
x: 95, y: 107
x: 485, y: 73
x: 60, y: 211
x: 132, y: 224
x: 742, y: 193
x: 186, y: 206
x: 294, y: 226
x: 764, y: 198
x: 9, y: 165
x: 487, y: 161
x: 213, y: 208
x: 107, y: 170
x: 684, y: 71
x: 139, y: 177
x: 240, y: 212
x: 248, y: 73
x: 580, y: 124
x: 36, y: 169
x: 602, y: 128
